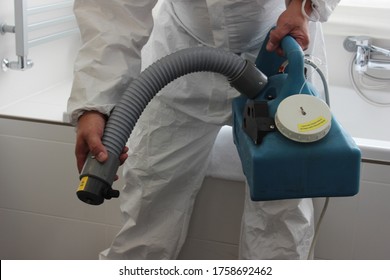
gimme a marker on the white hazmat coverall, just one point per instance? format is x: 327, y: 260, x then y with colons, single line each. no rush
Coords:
x: 170, y: 144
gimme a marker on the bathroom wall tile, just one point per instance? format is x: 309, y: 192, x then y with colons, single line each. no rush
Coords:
x: 36, y: 130
x: 196, y: 249
x: 372, y: 224
x: 111, y: 232
x: 48, y: 182
x: 336, y: 235
x: 376, y: 173
x: 356, y: 227
x: 218, y: 210
x: 30, y: 236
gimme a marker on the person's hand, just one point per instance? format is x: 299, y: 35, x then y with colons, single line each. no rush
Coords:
x: 90, y: 128
x: 291, y: 22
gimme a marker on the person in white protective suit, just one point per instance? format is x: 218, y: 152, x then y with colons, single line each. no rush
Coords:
x: 170, y: 145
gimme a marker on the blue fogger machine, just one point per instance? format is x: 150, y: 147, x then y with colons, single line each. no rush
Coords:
x: 289, y: 143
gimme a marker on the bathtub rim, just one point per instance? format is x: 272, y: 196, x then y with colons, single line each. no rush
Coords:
x: 374, y: 151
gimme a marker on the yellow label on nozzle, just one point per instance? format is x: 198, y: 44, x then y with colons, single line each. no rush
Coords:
x: 83, y: 183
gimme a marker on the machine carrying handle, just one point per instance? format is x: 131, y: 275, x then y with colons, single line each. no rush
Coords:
x: 295, y: 56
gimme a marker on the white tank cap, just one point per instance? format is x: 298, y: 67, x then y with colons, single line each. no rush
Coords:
x: 303, y: 118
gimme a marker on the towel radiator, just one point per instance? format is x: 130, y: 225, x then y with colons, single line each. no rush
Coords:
x: 23, y: 27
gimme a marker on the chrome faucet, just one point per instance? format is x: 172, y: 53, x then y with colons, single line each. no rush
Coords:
x: 363, y: 48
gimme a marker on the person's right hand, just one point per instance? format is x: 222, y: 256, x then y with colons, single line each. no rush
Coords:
x: 90, y: 128
x: 291, y: 22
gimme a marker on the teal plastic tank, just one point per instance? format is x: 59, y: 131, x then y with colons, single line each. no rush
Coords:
x: 277, y: 167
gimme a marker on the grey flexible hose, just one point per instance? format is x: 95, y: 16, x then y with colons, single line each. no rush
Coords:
x: 154, y: 78
x: 96, y: 178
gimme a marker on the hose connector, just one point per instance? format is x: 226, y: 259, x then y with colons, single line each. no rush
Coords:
x: 250, y: 81
x: 96, y: 180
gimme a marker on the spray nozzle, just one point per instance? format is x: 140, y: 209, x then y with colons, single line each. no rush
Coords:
x: 96, y: 179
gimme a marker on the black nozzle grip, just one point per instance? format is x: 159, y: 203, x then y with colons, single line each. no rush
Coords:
x: 96, y: 180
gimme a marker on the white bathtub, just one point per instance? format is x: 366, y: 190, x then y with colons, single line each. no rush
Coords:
x: 367, y: 123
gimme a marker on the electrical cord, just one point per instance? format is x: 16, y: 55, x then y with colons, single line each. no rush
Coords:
x: 308, y: 61
x: 317, y: 229
x: 325, y: 207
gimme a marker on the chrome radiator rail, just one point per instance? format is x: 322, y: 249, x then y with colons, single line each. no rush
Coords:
x: 22, y: 28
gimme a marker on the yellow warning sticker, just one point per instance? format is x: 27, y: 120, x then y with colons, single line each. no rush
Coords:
x: 312, y: 125
x: 83, y: 183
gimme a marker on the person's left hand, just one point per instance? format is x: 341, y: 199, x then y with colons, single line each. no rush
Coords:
x: 291, y: 22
